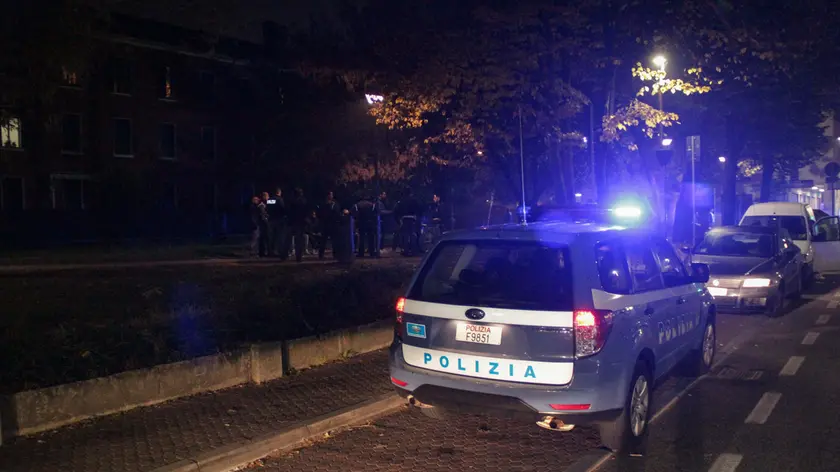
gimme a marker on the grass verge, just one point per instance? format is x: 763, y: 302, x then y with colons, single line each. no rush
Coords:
x: 67, y: 326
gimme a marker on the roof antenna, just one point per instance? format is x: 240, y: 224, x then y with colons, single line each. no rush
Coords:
x: 522, y: 167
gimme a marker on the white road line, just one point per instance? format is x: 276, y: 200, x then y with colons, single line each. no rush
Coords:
x: 793, y: 364
x: 823, y: 319
x: 837, y: 294
x: 726, y: 463
x: 833, y: 304
x: 763, y: 408
x: 810, y: 338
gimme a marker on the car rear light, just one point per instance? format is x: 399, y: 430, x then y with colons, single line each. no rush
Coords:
x: 591, y: 330
x: 557, y: 407
x: 399, y: 319
x: 400, y: 383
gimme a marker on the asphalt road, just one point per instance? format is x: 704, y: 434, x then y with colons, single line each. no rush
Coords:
x: 769, y: 404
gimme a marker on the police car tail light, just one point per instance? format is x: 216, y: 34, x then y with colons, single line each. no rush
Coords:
x: 591, y: 330
x: 399, y: 320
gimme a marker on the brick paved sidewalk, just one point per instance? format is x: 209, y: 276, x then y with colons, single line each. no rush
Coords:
x: 147, y: 438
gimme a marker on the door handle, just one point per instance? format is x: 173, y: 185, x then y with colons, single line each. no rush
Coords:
x: 680, y: 300
x: 649, y: 310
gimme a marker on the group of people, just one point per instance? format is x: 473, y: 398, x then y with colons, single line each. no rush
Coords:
x: 281, y: 227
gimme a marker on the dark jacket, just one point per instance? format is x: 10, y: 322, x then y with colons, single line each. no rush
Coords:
x: 276, y: 209
x: 365, y: 212
x: 298, y: 211
x: 258, y: 215
x: 329, y: 213
x: 408, y: 207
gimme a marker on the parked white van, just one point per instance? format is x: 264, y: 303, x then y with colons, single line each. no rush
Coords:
x: 819, y: 241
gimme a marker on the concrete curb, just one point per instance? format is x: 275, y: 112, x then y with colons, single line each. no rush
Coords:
x: 229, y: 457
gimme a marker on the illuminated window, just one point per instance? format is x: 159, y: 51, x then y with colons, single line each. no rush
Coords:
x: 69, y: 77
x: 10, y: 133
x: 165, y: 90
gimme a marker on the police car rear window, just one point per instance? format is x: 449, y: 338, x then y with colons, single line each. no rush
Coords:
x: 499, y: 274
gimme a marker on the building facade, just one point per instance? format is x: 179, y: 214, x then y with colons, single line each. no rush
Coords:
x: 158, y: 134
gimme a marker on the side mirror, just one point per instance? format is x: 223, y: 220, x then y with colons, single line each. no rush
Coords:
x: 699, y: 273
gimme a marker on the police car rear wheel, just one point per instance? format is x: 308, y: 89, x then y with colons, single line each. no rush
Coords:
x: 625, y: 434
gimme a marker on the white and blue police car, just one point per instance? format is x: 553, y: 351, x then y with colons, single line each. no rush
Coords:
x: 559, y: 323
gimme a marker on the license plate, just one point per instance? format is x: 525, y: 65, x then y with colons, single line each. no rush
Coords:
x: 479, y: 334
x: 717, y: 291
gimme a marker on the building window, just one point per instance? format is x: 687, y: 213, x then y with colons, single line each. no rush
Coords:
x: 208, y: 143
x: 122, y: 138
x: 10, y: 133
x: 71, y: 134
x: 207, y: 85
x: 167, y: 141
x: 12, y: 197
x: 120, y: 71
x: 169, y: 196
x: 71, y: 192
x: 165, y: 91
x: 69, y: 77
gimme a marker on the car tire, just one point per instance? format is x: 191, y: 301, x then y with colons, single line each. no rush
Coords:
x: 700, y: 360
x: 808, y: 275
x: 434, y: 413
x: 627, y: 433
x: 800, y: 286
x: 778, y: 306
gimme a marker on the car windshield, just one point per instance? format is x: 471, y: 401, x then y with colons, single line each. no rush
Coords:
x: 517, y: 275
x: 795, y: 225
x: 736, y: 244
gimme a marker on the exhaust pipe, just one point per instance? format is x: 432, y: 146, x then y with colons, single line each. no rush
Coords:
x: 417, y: 403
x: 553, y: 424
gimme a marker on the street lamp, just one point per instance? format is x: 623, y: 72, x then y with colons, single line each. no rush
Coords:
x: 660, y: 61
x: 667, y: 142
x: 373, y: 100
x: 722, y: 159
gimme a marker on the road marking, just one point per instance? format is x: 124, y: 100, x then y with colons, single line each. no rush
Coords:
x: 837, y: 294
x: 592, y: 464
x: 833, y: 304
x: 810, y: 338
x: 793, y: 364
x: 823, y: 319
x: 726, y: 463
x: 763, y: 408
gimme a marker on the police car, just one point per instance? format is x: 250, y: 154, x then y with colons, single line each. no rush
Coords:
x: 559, y: 323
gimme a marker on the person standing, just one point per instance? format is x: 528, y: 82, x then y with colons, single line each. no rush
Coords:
x: 365, y: 213
x: 329, y: 215
x: 256, y: 216
x: 262, y: 225
x: 297, y: 216
x: 386, y: 222
x: 276, y: 208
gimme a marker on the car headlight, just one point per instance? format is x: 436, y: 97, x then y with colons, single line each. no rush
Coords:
x: 754, y: 283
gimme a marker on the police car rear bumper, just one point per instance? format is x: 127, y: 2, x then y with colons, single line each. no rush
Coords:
x: 501, y: 406
x: 604, y: 394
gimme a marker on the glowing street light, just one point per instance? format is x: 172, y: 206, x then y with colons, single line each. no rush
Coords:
x: 667, y: 141
x: 722, y: 159
x: 371, y: 99
x: 660, y: 61
x: 480, y: 153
